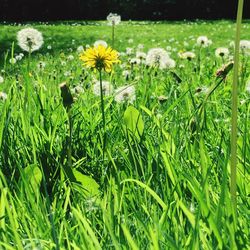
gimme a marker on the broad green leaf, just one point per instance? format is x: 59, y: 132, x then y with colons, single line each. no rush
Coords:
x: 33, y: 175
x: 133, y: 122
x: 90, y: 186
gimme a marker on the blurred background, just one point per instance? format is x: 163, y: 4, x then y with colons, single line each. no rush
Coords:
x: 51, y: 10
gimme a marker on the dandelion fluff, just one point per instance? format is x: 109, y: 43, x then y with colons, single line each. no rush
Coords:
x: 107, y: 88
x: 222, y: 52
x: 125, y: 93
x: 157, y: 57
x: 30, y: 39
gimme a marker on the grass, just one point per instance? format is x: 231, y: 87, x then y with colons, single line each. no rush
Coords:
x: 164, y: 180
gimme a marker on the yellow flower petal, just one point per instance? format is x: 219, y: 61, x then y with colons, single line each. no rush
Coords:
x: 100, y: 58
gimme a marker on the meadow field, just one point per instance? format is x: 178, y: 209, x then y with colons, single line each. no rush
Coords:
x: 140, y: 160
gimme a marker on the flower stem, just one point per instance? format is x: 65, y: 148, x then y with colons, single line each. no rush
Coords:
x: 69, y: 149
x: 103, y: 113
x: 113, y: 34
x: 29, y: 56
x: 233, y: 186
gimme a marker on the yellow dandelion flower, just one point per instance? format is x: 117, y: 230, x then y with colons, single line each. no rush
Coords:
x: 100, y: 58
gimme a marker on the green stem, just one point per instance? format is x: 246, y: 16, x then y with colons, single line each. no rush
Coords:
x: 233, y: 186
x: 103, y: 113
x: 29, y: 60
x: 69, y: 149
x: 26, y: 82
x: 199, y: 62
x: 113, y: 34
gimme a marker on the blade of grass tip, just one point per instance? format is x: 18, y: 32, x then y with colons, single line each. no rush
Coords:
x: 154, y: 239
x: 12, y: 50
x: 187, y: 212
x: 234, y: 111
x: 150, y: 191
x: 107, y: 220
x: 3, y: 212
x: 86, y: 225
x: 6, y: 246
x: 51, y: 215
x: 13, y: 221
x: 5, y: 60
x: 129, y: 237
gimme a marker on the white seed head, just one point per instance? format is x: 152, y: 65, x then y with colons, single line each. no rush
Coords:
x: 157, y: 57
x: 107, y: 88
x: 113, y: 19
x: 30, y: 39
x: 222, y: 52
x: 203, y: 41
x: 100, y: 42
x: 125, y: 93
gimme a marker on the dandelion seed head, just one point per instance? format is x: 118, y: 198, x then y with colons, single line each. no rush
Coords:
x: 125, y: 93
x: 245, y: 47
x: 162, y: 98
x: 248, y: 86
x: 130, y: 40
x: 244, y: 44
x: 113, y: 19
x: 222, y: 52
x: 157, y: 57
x: 77, y: 90
x: 30, y: 39
x: 126, y: 73
x: 18, y: 57
x: 192, y: 208
x: 70, y: 57
x: 129, y: 51
x: 187, y: 55
x: 80, y: 49
x: 170, y: 64
x: 140, y: 46
x: 12, y: 60
x: 3, y: 96
x: 203, y: 41
x: 107, y: 88
x: 135, y: 61
x: 203, y: 90
x: 141, y: 55
x: 100, y: 42
x: 41, y: 65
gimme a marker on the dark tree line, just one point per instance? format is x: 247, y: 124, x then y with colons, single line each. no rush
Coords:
x: 22, y: 10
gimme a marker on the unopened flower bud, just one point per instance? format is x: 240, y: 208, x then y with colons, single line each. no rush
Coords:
x: 223, y: 72
x: 66, y: 95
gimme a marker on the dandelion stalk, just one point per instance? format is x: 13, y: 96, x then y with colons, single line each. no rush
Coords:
x: 113, y: 20
x: 29, y: 55
x: 67, y: 103
x: 69, y: 149
x: 233, y: 186
x: 101, y: 58
x: 113, y: 34
x: 103, y: 112
x: 199, y: 61
x: 26, y: 97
